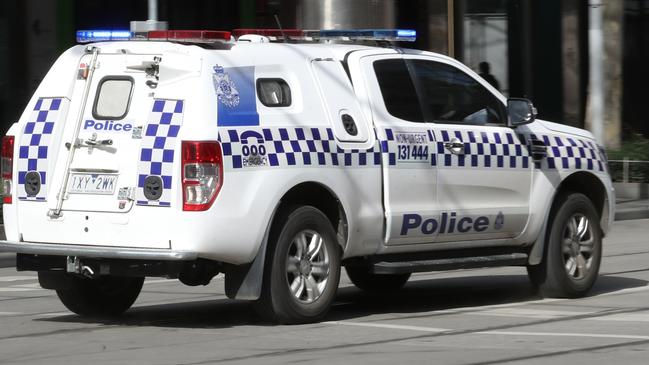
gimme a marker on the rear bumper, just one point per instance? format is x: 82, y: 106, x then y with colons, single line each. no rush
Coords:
x: 52, y: 249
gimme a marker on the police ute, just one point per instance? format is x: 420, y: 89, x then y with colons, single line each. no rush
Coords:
x: 277, y: 157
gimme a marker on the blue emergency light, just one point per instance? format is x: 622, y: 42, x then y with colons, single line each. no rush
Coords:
x: 407, y: 35
x: 86, y: 36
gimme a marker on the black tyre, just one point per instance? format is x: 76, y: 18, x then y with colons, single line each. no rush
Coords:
x: 573, y: 249
x: 302, y: 268
x: 364, y: 279
x: 106, y: 296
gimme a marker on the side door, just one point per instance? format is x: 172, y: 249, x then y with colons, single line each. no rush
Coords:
x: 407, y: 143
x: 484, y: 170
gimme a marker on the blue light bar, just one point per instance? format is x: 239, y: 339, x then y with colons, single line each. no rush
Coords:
x: 407, y: 35
x: 86, y: 36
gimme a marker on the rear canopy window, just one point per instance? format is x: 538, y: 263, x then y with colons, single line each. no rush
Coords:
x: 113, y: 98
x: 273, y: 92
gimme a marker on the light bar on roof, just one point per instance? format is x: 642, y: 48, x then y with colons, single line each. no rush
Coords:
x: 275, y: 33
x: 406, y: 35
x: 86, y: 36
x: 190, y: 36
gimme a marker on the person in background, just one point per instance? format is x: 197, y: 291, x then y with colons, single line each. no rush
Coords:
x: 485, y: 70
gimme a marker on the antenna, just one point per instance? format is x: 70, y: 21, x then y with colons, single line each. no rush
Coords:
x: 279, y: 25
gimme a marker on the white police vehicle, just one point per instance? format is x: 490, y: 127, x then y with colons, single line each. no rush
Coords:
x: 276, y: 158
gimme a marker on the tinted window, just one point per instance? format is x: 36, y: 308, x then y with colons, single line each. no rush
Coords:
x: 274, y: 92
x: 450, y: 95
x: 113, y: 97
x: 398, y: 90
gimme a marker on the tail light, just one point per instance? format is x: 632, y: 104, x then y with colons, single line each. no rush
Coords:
x: 6, y: 167
x: 202, y: 173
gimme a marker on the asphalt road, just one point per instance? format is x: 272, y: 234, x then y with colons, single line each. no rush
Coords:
x: 486, y: 316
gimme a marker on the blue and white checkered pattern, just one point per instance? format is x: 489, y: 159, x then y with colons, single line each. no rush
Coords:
x: 290, y: 147
x: 36, y: 142
x: 483, y: 149
x: 157, y: 148
x: 571, y: 153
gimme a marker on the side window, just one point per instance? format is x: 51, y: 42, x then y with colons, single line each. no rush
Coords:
x: 449, y: 95
x: 273, y: 92
x: 113, y: 98
x: 398, y: 91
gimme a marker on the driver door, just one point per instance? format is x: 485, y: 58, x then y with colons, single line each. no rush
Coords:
x: 484, y: 170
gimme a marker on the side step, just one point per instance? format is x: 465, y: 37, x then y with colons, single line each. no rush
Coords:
x: 402, y: 267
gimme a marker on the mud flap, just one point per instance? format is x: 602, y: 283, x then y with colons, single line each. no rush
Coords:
x: 538, y: 249
x: 245, y: 281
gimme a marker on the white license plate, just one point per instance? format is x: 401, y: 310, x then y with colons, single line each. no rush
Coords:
x: 92, y: 184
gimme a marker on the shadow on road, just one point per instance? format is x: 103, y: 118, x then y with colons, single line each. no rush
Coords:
x: 417, y: 297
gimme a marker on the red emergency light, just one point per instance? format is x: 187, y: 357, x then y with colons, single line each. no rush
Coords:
x: 190, y: 36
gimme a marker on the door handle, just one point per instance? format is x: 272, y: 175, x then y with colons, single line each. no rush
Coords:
x: 455, y: 146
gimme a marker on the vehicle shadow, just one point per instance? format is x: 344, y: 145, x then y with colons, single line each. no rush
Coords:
x: 417, y: 298
x: 461, y: 293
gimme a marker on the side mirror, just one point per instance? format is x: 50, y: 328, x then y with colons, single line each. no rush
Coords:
x: 520, y: 111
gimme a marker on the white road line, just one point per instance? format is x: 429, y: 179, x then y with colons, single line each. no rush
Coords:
x: 53, y: 314
x: 624, y: 317
x: 15, y: 289
x: 390, y: 326
x: 563, y: 334
x: 9, y: 313
x: 17, y: 278
x: 478, y: 308
x: 491, y: 333
x: 528, y: 313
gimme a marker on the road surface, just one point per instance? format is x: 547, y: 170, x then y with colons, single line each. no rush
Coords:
x: 487, y: 316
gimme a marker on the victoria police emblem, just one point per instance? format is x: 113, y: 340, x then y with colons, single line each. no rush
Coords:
x: 226, y: 90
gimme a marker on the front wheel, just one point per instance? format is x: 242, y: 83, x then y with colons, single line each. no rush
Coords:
x: 105, y: 296
x: 302, y: 268
x: 573, y: 250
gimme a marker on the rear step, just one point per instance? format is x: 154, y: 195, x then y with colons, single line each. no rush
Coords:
x: 402, y: 267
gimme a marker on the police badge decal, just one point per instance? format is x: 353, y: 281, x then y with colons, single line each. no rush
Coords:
x: 226, y: 90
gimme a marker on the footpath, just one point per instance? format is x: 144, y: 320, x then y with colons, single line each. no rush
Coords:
x: 624, y: 210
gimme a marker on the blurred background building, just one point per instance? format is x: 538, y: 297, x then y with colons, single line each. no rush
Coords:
x: 535, y: 48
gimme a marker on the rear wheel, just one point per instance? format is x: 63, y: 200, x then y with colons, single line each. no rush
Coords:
x: 364, y: 279
x: 573, y: 250
x: 302, y: 268
x: 104, y: 297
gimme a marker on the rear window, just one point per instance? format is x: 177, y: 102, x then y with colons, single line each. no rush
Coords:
x: 274, y: 92
x: 398, y: 91
x: 113, y: 98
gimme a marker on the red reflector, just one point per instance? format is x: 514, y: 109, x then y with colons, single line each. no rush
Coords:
x: 291, y: 33
x: 189, y: 35
x: 202, y: 174
x: 7, y: 147
x: 6, y: 167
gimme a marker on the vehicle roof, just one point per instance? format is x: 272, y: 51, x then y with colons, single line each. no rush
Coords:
x: 335, y: 50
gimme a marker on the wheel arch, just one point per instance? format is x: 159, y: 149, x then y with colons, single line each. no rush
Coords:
x: 321, y: 197
x: 245, y: 281
x: 583, y: 182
